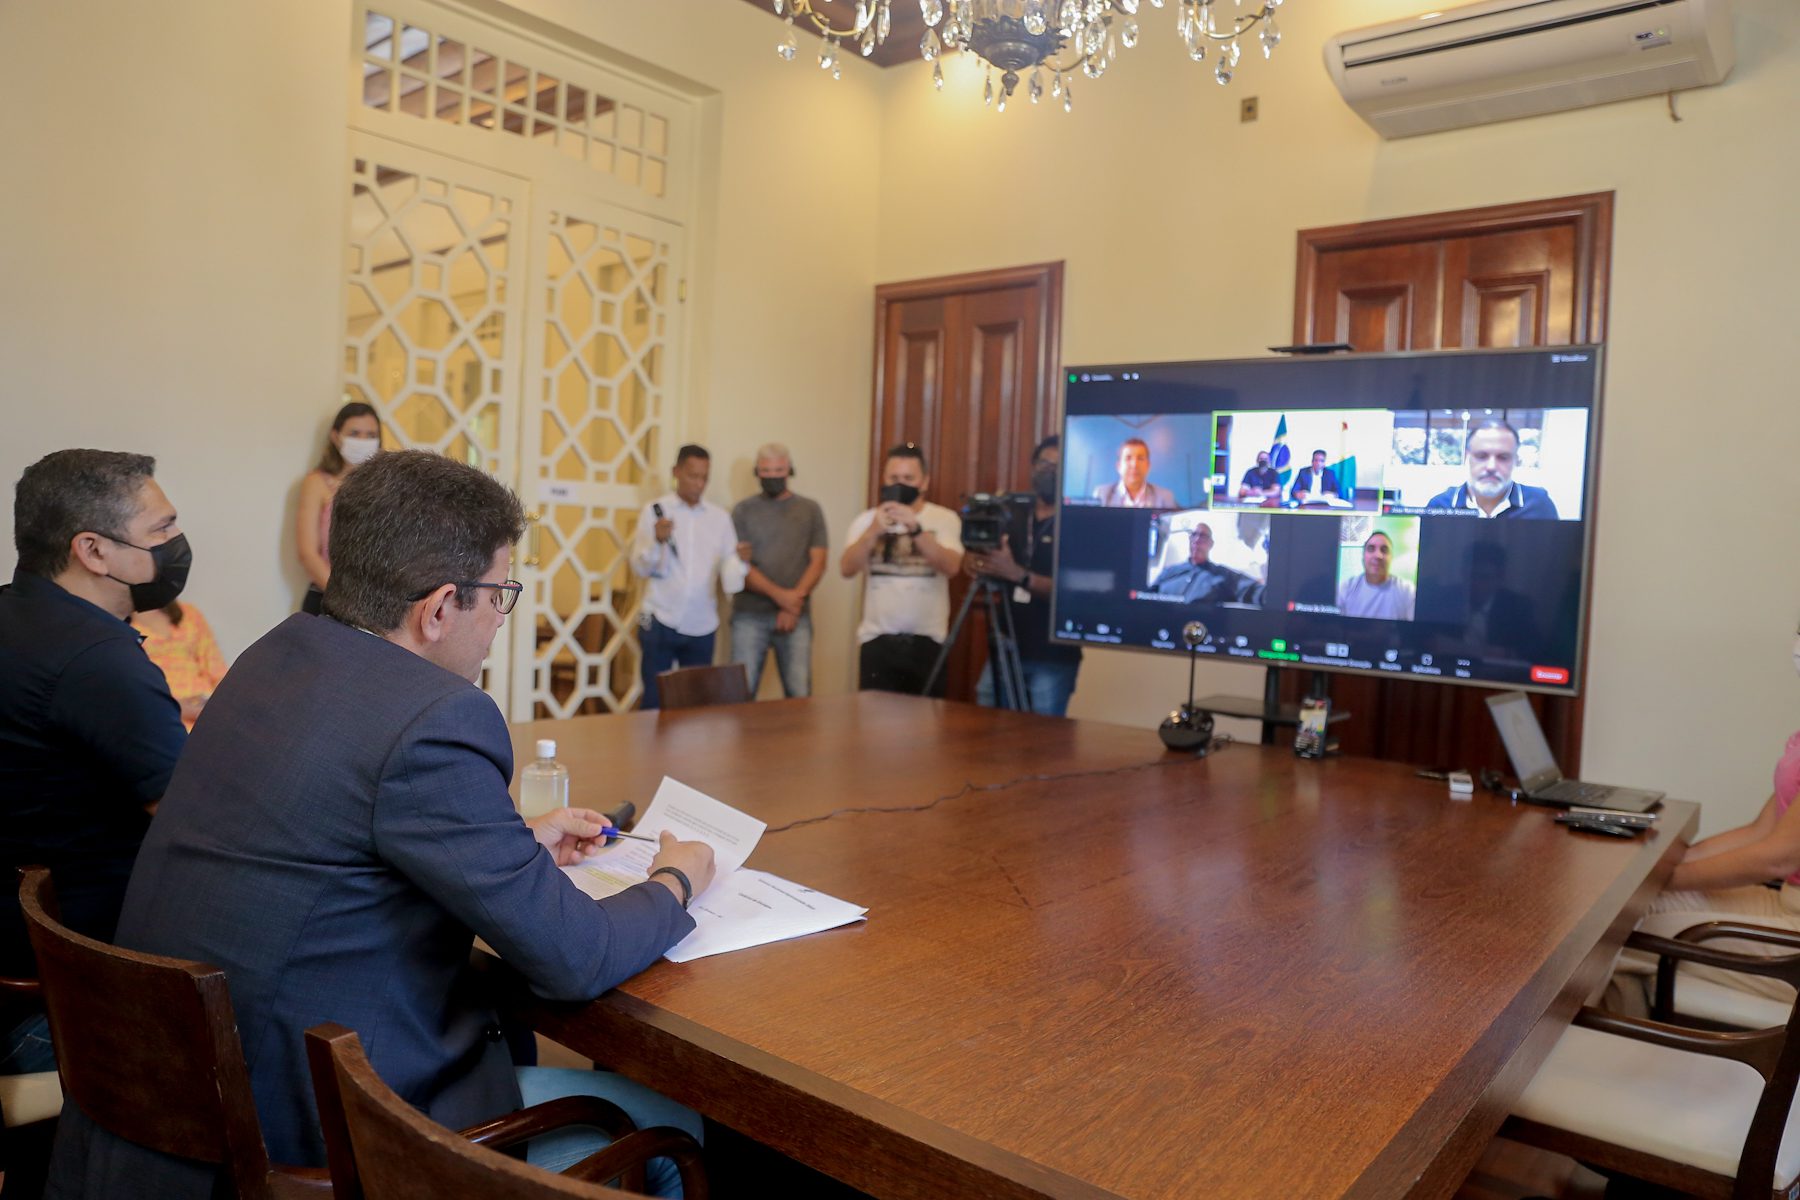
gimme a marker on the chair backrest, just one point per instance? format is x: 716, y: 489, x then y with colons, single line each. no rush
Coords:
x: 695, y: 687
x: 147, y: 1046
x: 382, y: 1148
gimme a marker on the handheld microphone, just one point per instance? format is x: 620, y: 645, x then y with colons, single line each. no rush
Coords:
x: 657, y: 509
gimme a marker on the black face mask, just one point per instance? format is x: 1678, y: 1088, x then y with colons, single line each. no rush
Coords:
x: 172, y: 560
x: 900, y: 493
x: 773, y: 486
x: 1043, y: 482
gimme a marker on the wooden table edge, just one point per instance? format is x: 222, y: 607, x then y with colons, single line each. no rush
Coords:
x: 1576, y: 972
x: 890, y: 1152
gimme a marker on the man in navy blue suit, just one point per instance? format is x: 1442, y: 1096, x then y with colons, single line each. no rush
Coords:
x: 1491, y: 451
x: 339, y: 829
x: 1315, y: 484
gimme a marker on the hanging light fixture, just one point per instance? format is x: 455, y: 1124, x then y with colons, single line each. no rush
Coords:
x: 1024, y: 39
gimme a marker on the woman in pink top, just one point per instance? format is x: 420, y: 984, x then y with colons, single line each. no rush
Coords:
x: 1728, y: 877
x: 355, y: 437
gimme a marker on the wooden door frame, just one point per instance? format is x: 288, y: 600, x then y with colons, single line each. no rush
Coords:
x: 1590, y: 214
x: 1047, y: 276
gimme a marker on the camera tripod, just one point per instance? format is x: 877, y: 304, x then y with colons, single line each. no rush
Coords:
x: 1009, y: 671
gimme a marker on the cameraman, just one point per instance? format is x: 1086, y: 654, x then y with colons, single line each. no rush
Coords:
x: 908, y: 548
x: 1049, y: 669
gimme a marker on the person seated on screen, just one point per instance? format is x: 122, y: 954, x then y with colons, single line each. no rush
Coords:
x: 1491, y: 451
x: 1261, y: 482
x: 1315, y: 483
x: 1199, y: 580
x: 1376, y: 593
x: 1134, y: 489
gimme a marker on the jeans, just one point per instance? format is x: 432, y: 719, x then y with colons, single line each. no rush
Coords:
x: 1048, y: 686
x: 664, y: 649
x: 753, y: 636
x: 566, y: 1147
x: 27, y: 1048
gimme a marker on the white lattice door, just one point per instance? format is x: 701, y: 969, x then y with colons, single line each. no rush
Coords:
x: 433, y: 303
x: 602, y: 324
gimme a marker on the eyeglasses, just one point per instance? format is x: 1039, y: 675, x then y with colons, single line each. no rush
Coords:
x: 506, y: 595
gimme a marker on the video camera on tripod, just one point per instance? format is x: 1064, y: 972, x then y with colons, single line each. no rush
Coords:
x: 993, y: 520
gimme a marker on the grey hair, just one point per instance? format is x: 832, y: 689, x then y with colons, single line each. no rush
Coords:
x: 774, y: 450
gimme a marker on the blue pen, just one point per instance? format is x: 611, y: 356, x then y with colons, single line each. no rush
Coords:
x: 609, y: 833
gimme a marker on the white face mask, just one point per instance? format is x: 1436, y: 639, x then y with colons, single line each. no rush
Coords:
x: 358, y: 450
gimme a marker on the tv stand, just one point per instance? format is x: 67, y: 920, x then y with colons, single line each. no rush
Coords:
x: 1270, y: 710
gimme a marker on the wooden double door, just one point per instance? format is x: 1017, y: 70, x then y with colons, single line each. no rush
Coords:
x: 967, y: 367
x: 1532, y: 274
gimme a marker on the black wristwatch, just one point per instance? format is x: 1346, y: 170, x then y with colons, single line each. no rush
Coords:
x: 687, y: 888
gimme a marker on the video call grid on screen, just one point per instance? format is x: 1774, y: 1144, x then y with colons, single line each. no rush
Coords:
x: 1382, y: 561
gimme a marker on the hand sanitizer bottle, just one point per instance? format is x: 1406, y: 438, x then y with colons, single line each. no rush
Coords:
x: 544, y: 784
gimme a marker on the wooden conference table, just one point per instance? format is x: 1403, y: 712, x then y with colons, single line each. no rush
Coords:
x: 1243, y: 976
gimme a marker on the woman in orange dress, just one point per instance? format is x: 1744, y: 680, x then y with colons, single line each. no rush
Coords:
x: 178, y: 639
x: 355, y: 437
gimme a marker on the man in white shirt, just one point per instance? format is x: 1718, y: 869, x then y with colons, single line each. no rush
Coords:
x: 909, y: 549
x: 1377, y: 592
x: 682, y: 544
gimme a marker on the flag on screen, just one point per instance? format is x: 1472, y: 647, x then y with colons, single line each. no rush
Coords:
x: 1278, y: 452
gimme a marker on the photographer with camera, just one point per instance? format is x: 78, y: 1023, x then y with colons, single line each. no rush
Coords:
x: 909, y: 548
x: 1049, y: 669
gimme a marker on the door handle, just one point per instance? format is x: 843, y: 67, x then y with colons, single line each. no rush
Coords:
x: 534, y: 536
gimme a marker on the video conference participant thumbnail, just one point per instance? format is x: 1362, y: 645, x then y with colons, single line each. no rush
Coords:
x: 1149, y: 461
x: 1200, y: 575
x: 1490, y: 453
x: 1339, y: 461
x: 1369, y: 585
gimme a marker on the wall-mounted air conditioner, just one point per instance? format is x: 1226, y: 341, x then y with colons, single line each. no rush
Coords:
x: 1500, y: 59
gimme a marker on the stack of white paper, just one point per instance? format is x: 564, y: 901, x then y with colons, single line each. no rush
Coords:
x: 741, y: 908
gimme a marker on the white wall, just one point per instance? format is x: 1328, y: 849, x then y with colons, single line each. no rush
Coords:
x: 1178, y: 225
x: 170, y: 263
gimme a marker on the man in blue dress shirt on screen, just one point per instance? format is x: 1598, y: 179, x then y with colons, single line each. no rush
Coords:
x: 89, y: 733
x: 1491, y: 451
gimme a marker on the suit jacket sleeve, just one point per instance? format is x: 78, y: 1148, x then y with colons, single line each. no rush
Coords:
x: 443, y: 818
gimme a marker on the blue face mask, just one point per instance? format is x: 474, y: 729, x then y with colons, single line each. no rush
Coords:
x: 172, y: 560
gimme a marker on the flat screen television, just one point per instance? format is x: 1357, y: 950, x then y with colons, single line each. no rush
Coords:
x: 1419, y: 516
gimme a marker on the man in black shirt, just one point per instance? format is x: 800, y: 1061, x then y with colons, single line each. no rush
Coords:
x: 1261, y: 482
x: 89, y: 733
x: 1049, y: 668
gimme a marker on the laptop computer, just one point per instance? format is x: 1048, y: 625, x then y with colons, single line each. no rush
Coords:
x: 1536, y: 767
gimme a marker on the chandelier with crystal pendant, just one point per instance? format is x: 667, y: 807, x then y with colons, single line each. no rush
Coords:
x: 1024, y: 39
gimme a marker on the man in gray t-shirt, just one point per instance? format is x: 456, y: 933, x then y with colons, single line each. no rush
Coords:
x: 787, y: 539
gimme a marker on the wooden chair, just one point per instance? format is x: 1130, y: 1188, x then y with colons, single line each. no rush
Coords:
x: 1708, y: 1113
x: 149, y: 1051
x: 148, y: 1048
x: 695, y: 687
x: 381, y: 1148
